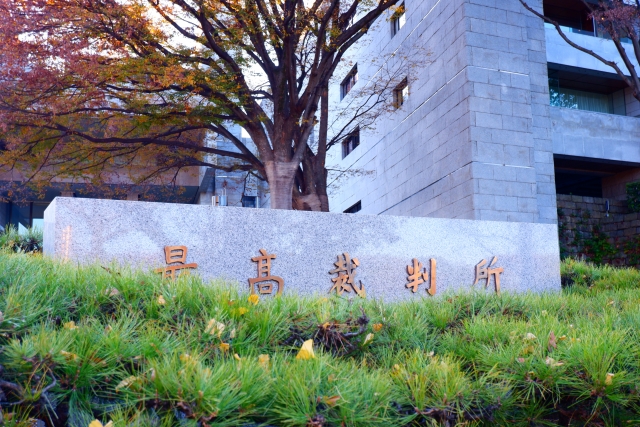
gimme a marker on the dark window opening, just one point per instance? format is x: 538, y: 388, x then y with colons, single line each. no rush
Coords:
x: 249, y: 201
x: 574, y: 17
x: 350, y: 142
x: 26, y: 214
x: 573, y: 14
x: 349, y: 82
x: 401, y: 93
x: 355, y: 208
x: 583, y: 177
x: 398, y: 19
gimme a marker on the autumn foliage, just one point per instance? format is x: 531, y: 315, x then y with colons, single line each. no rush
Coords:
x: 93, y: 90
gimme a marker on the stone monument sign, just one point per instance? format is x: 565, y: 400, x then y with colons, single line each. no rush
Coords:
x: 271, y: 252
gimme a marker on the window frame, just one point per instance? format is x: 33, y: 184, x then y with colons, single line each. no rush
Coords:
x: 347, y: 143
x: 245, y: 199
x: 398, y: 19
x: 349, y: 82
x: 401, y: 93
x: 355, y: 208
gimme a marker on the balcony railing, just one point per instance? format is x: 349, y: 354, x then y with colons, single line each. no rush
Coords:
x: 595, y: 33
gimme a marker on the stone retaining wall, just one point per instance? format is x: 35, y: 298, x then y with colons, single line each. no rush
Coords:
x: 585, y: 229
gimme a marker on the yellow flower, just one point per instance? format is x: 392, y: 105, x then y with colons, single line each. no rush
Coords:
x: 70, y: 325
x: 306, y: 351
x: 377, y: 327
x: 161, y: 300
x: 242, y: 310
x: 96, y: 423
x: 224, y: 346
x: 237, y: 357
x: 263, y: 361
x: 214, y: 327
x: 253, y: 299
x: 185, y: 357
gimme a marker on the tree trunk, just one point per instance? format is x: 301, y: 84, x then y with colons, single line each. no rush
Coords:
x: 280, y: 176
x: 311, y: 202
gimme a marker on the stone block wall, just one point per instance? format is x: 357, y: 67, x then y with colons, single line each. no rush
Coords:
x: 473, y: 140
x: 509, y: 105
x: 585, y: 229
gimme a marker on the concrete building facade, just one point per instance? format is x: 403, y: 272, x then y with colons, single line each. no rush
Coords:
x: 498, y: 116
x: 497, y: 120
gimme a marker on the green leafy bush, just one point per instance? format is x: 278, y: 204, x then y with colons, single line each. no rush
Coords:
x: 597, y: 247
x: 29, y: 242
x: 633, y: 196
x: 632, y: 250
x: 78, y: 344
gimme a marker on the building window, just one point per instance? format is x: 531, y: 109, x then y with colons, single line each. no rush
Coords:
x: 249, y: 201
x: 401, y: 93
x: 571, y: 94
x: 350, y: 142
x: 355, y: 208
x: 574, y: 16
x: 398, y: 19
x: 349, y: 81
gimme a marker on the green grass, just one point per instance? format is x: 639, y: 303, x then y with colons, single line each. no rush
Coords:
x: 88, y: 343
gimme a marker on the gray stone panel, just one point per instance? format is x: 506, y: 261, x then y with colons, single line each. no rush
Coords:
x: 222, y: 242
x: 595, y: 135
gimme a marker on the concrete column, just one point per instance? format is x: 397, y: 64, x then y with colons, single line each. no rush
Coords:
x: 509, y: 111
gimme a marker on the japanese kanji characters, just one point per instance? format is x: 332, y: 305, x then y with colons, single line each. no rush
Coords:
x: 176, y: 255
x: 346, y: 271
x: 417, y: 277
x: 265, y: 278
x: 485, y: 273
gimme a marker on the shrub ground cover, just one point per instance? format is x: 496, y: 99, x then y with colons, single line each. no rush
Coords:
x: 94, y: 343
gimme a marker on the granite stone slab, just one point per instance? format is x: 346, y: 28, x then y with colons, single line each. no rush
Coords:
x: 223, y: 240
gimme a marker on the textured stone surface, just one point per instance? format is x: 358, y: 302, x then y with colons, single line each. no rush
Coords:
x: 472, y: 141
x: 222, y: 242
